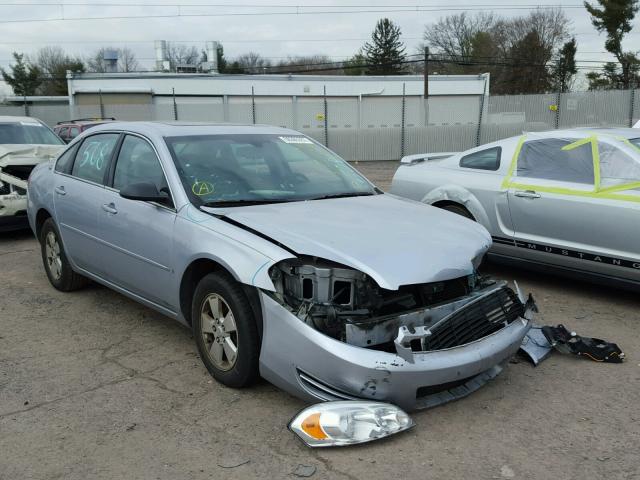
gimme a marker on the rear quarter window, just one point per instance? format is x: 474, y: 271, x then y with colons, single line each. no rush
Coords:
x: 484, y: 160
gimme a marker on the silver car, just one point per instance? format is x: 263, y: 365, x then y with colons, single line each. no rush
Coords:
x: 566, y: 200
x: 284, y: 261
x: 24, y: 142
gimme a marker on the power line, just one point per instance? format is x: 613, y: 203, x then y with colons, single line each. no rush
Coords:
x: 297, y: 12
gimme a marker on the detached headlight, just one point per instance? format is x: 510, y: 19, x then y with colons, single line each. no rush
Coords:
x: 333, y: 424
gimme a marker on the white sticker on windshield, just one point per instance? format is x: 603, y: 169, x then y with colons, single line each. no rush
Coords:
x: 295, y: 140
x: 30, y: 124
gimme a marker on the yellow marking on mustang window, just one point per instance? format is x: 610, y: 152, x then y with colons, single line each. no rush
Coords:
x: 202, y: 188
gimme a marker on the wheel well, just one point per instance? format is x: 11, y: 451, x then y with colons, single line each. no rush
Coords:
x: 41, y: 217
x: 445, y: 203
x: 192, y: 276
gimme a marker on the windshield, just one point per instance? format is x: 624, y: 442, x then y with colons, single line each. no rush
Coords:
x: 219, y: 170
x: 635, y: 142
x: 27, y: 133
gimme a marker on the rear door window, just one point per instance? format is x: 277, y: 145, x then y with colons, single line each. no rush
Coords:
x: 93, y: 157
x: 546, y: 159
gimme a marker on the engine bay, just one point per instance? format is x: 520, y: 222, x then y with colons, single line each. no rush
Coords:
x: 349, y: 306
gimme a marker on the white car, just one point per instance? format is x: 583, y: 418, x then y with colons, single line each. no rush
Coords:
x: 567, y: 200
x: 24, y: 143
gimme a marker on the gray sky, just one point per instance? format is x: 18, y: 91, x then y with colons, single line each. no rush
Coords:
x: 338, y: 35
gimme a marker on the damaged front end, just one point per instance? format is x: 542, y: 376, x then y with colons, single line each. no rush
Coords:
x: 444, y: 339
x: 348, y: 306
x: 16, y: 164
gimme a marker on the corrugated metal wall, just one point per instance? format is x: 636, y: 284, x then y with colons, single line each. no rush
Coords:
x: 372, y: 127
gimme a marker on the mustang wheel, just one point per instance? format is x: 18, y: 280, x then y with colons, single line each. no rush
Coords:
x: 56, y: 264
x: 225, y: 330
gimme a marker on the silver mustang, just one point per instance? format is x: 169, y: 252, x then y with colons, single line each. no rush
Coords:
x: 284, y: 261
x: 567, y: 200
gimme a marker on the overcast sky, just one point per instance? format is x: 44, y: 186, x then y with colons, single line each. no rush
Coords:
x: 338, y: 35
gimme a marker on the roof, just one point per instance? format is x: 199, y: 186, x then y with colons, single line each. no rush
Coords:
x: 177, y: 129
x: 585, y: 132
x: 185, y: 84
x: 12, y: 119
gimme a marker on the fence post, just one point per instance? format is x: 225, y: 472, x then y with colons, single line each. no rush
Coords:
x: 402, y: 126
x: 101, y: 104
x: 557, y: 116
x: 26, y: 106
x: 175, y: 107
x: 253, y: 105
x: 479, y: 129
x: 631, y: 107
x: 225, y: 108
x: 294, y: 111
x: 326, y: 120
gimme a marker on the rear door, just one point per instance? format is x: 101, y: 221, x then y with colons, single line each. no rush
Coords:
x: 139, y: 234
x: 79, y: 179
x: 558, y: 217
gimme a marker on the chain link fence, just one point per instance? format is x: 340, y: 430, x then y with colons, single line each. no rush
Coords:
x: 370, y: 127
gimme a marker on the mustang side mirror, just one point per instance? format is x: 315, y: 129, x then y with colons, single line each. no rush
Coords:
x: 146, y: 191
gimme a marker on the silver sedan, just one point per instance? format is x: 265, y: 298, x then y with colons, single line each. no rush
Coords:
x: 566, y: 200
x: 283, y: 260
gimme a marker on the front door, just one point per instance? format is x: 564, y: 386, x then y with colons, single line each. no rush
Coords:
x: 139, y: 234
x: 557, y: 218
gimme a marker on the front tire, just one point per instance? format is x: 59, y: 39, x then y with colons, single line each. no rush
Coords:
x: 225, y: 330
x: 55, y: 260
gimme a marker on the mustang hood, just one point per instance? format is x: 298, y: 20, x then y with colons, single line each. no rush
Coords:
x: 394, y: 241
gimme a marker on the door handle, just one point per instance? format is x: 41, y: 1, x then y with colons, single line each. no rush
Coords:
x: 60, y: 190
x: 526, y: 194
x: 109, y: 208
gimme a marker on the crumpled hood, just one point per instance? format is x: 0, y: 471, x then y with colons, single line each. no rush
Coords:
x: 394, y: 241
x: 19, y: 154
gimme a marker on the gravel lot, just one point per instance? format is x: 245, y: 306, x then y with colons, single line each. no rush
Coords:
x: 93, y: 385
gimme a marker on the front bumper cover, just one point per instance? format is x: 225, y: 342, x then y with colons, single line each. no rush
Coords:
x: 313, y: 366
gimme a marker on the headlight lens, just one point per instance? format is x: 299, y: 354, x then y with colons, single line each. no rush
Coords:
x: 333, y: 424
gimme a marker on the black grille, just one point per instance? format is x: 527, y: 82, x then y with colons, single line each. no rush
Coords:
x: 476, y: 320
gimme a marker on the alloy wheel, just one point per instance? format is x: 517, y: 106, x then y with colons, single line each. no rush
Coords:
x: 52, y: 253
x: 219, y: 332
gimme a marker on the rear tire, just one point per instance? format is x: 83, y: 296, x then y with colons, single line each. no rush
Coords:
x: 459, y: 210
x: 225, y: 330
x: 55, y: 260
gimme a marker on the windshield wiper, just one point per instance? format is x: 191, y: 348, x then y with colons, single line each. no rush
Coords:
x: 242, y: 203
x: 344, y: 195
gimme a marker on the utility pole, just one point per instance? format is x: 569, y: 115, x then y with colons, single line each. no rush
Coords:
x: 426, y: 72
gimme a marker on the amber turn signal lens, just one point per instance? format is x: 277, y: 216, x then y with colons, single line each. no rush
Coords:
x: 311, y: 426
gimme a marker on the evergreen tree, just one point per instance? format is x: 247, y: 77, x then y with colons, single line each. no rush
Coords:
x: 615, y: 17
x: 385, y: 54
x: 564, y: 67
x: 24, y: 78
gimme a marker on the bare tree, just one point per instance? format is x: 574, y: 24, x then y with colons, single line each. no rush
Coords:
x: 551, y: 26
x: 127, y: 61
x: 182, y: 55
x: 53, y: 63
x: 252, y: 62
x: 453, y: 35
x: 308, y: 65
x: 480, y: 43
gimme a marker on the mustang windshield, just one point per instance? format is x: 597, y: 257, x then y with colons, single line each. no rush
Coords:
x: 27, y: 133
x: 246, y: 169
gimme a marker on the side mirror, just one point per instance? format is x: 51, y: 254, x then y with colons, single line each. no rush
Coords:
x: 146, y: 191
